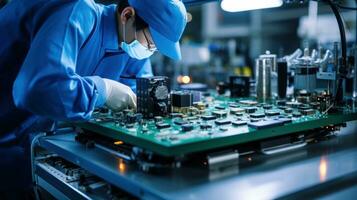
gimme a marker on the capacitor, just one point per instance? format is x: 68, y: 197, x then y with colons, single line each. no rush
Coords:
x: 271, y: 57
x: 263, y: 79
x: 282, y: 71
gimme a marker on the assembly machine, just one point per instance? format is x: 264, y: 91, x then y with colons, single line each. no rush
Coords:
x: 232, y: 143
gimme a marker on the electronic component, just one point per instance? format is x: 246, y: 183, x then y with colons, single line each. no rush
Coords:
x: 205, y: 126
x: 130, y: 118
x: 219, y: 114
x: 267, y: 106
x: 239, y: 86
x: 248, y: 102
x: 263, y: 78
x: 282, y: 71
x: 219, y: 107
x: 181, y: 99
x: 281, y: 103
x: 161, y: 125
x: 153, y: 96
x: 265, y: 124
x: 293, y: 104
x: 250, y: 109
x: 158, y: 118
x: 257, y: 115
x: 272, y: 113
x: 237, y: 110
x: 296, y: 114
x: 223, y: 122
x: 187, y: 127
x: 239, y: 123
x: 233, y: 105
x: 208, y: 117
x: 288, y: 110
x: 180, y: 122
x: 308, y: 112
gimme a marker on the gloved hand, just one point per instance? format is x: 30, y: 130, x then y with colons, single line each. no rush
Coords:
x: 120, y: 96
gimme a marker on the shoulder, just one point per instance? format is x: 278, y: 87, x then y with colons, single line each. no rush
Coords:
x: 85, y: 9
x: 84, y: 15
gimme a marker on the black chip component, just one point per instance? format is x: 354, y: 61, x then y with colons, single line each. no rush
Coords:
x: 267, y: 106
x: 187, y: 127
x: 296, y: 114
x: 157, y: 118
x: 239, y: 86
x: 257, y: 115
x: 237, y: 110
x: 233, y: 105
x: 255, y: 119
x: 208, y: 117
x: 130, y: 118
x: 219, y: 114
x: 288, y: 110
x: 180, y: 122
x: 219, y: 107
x: 272, y: 113
x: 239, y: 114
x: 239, y: 123
x: 281, y: 103
x: 129, y: 125
x: 265, y: 124
x: 161, y: 125
x: 222, y: 128
x: 223, y: 122
x: 308, y: 112
x: 181, y: 99
x: 250, y: 109
x: 205, y: 126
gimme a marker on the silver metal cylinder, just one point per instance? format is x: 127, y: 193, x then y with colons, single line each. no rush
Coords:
x: 273, y: 58
x: 263, y: 78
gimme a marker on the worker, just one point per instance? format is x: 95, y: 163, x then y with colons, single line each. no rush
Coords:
x: 59, y: 60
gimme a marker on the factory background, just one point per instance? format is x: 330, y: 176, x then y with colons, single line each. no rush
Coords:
x: 219, y: 44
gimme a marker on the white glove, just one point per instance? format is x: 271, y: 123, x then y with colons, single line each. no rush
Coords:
x: 119, y: 96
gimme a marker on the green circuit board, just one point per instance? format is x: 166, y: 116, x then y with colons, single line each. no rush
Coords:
x: 214, y: 123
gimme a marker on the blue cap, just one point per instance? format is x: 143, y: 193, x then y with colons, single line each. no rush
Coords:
x: 167, y: 20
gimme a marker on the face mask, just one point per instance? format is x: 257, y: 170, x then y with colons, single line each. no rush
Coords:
x: 135, y: 49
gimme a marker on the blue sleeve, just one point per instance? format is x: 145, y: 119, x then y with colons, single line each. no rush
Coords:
x: 136, y: 68
x: 47, y: 83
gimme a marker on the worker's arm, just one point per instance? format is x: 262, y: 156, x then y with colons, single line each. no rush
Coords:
x: 47, y: 83
x: 135, y: 68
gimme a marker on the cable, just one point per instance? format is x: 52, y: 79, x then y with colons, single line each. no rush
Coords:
x: 345, y: 7
x: 342, y: 68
